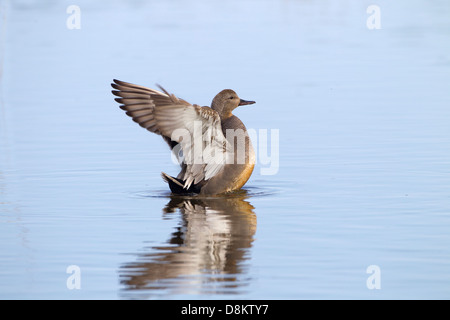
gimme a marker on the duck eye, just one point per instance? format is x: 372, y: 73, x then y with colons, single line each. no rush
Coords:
x: 231, y: 97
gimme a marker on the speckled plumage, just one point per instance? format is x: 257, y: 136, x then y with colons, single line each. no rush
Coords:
x: 225, y: 167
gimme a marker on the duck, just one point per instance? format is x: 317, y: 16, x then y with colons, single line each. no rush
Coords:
x: 211, y: 144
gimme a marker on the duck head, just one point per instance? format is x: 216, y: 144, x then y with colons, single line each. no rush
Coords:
x: 226, y: 101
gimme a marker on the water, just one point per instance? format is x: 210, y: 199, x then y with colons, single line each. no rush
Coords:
x: 363, y: 176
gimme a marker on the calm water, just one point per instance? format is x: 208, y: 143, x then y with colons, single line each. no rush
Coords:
x: 363, y: 171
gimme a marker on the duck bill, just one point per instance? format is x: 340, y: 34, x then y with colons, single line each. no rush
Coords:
x: 245, y: 102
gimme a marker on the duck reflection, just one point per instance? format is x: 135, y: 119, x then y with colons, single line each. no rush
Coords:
x: 206, y: 253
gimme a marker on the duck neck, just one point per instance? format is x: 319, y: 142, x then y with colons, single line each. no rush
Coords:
x: 226, y: 115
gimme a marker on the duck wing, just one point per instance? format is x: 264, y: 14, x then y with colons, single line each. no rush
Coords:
x: 197, y: 129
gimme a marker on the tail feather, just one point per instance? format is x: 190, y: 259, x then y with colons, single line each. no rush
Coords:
x: 170, y: 179
x: 177, y: 186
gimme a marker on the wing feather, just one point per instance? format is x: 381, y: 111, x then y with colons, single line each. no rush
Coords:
x: 197, y: 129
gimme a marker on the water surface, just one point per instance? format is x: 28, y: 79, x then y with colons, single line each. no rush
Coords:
x: 363, y: 176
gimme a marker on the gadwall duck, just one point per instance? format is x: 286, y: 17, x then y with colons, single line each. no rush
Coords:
x: 211, y: 144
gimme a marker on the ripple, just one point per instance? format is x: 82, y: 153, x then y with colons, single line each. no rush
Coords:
x: 247, y: 192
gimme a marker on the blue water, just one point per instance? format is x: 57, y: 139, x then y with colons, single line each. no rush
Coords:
x: 364, y: 151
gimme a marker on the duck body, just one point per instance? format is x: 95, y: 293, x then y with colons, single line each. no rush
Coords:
x: 222, y: 133
x: 234, y: 175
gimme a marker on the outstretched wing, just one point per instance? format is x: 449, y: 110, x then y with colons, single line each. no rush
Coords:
x: 197, y: 129
x: 139, y: 103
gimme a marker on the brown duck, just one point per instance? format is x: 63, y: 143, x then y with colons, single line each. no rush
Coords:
x: 217, y: 154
